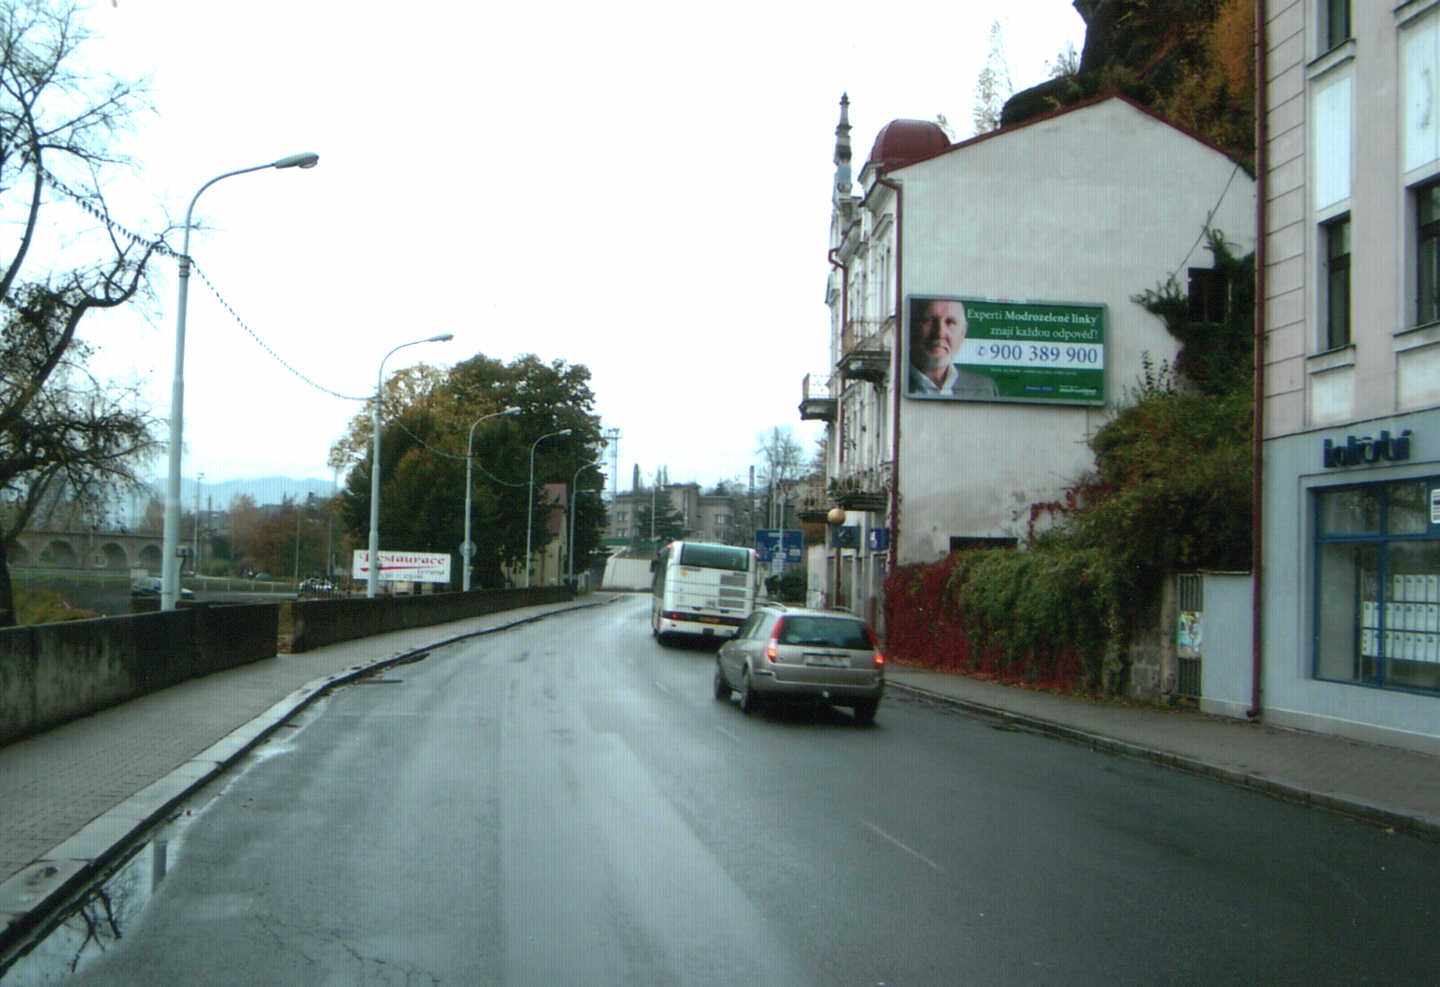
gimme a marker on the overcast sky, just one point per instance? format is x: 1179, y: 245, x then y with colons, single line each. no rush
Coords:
x: 642, y: 188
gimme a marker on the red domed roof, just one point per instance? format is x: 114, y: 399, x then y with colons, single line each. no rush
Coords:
x: 901, y: 142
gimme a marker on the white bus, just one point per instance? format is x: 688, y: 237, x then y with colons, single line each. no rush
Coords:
x: 700, y: 588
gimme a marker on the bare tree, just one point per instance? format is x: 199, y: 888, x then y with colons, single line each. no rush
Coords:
x: 782, y: 460
x: 59, y: 426
x: 993, y: 86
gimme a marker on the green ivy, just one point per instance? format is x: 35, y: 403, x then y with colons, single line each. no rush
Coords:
x: 1171, y: 490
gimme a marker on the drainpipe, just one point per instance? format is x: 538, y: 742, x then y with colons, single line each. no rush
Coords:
x: 1257, y: 493
x: 896, y: 367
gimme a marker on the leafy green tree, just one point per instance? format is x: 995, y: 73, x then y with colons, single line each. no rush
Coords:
x: 426, y: 419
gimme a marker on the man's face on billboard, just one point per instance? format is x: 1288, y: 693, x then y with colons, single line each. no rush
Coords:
x: 936, y: 335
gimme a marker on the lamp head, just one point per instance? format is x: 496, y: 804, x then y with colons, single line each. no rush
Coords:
x: 305, y: 159
x: 442, y: 338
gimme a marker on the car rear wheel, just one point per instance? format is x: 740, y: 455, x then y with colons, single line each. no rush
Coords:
x: 722, y: 688
x: 865, y: 712
x: 749, y: 702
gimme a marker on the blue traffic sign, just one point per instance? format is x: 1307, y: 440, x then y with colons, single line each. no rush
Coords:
x: 788, y: 545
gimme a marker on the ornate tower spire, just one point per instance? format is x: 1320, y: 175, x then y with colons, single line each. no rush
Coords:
x: 842, y: 147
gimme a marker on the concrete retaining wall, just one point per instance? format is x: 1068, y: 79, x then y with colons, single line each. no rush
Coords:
x: 53, y: 673
x: 321, y: 622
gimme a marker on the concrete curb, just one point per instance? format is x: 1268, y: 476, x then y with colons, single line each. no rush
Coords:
x: 40, y: 890
x: 1277, y: 788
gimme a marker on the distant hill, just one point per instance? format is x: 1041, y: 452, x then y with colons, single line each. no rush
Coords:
x: 264, y: 490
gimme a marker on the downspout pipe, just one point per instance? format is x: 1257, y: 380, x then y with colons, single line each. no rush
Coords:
x: 896, y: 367
x: 1257, y: 493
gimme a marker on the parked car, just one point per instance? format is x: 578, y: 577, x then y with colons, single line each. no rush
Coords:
x: 155, y: 586
x: 803, y: 655
x: 317, y: 585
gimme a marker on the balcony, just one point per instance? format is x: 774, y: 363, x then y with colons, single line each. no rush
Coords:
x: 865, y: 350
x: 816, y: 401
x: 813, y: 510
x: 864, y: 489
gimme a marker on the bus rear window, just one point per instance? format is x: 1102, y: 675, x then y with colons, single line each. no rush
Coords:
x: 715, y: 557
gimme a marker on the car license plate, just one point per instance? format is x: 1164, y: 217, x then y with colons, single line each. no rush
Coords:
x: 828, y: 661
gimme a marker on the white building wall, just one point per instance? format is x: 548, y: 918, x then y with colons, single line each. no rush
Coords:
x: 1092, y: 206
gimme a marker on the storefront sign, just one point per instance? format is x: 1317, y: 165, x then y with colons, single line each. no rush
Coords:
x: 1367, y: 450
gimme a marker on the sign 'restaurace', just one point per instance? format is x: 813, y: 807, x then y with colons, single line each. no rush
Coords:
x: 404, y: 567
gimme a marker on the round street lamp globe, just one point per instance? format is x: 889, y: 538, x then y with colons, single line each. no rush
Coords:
x: 836, y: 516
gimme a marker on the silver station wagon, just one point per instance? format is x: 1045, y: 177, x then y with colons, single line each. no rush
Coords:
x: 822, y: 656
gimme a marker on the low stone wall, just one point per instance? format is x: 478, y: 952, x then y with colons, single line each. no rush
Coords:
x: 53, y: 673
x: 321, y: 622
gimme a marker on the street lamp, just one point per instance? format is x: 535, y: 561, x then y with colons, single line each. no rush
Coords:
x: 570, y: 545
x: 530, y: 508
x: 170, y: 561
x: 467, y: 549
x: 373, y: 579
x: 574, y: 505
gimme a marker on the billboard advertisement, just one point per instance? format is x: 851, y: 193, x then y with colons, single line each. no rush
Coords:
x: 404, y: 567
x: 975, y: 349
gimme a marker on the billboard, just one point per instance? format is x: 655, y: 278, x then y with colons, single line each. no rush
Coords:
x: 976, y: 349
x: 404, y: 567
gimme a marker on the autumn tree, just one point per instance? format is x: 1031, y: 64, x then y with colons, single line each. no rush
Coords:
x: 60, y: 427
x: 1192, y: 61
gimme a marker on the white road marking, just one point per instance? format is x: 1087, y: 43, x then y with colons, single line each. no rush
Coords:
x: 729, y: 734
x: 914, y: 853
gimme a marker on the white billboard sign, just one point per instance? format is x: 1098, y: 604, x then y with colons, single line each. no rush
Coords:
x: 404, y: 567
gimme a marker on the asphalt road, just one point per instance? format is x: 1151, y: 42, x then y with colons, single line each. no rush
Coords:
x: 566, y: 803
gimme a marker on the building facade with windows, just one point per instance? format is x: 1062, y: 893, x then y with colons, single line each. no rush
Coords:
x: 1350, y: 581
x: 982, y: 319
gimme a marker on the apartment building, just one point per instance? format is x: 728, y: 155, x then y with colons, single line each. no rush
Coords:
x: 1350, y: 584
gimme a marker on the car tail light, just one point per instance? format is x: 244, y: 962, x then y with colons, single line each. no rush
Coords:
x: 772, y: 650
x: 879, y: 660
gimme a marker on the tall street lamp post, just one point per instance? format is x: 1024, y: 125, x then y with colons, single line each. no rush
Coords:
x: 373, y: 577
x: 467, y: 549
x: 574, y: 505
x: 170, y: 561
x: 530, y: 508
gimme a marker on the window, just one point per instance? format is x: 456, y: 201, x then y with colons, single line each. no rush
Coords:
x: 1337, y: 283
x: 1337, y: 22
x: 1428, y: 254
x: 1377, y: 592
x: 1208, y: 294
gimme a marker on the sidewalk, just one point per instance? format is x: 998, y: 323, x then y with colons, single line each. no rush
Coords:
x: 1386, y: 785
x: 71, y: 797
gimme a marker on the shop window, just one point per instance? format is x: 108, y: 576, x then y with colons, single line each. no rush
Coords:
x: 1337, y: 282
x: 1377, y: 586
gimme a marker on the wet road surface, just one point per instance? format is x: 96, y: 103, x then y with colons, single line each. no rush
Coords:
x: 566, y: 803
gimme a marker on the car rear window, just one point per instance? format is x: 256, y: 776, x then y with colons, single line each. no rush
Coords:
x: 825, y: 632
